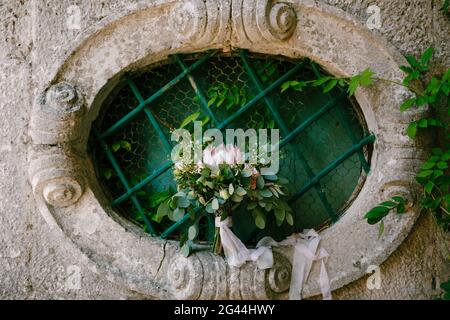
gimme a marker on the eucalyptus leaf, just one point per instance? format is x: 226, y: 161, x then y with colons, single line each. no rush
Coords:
x: 193, y: 231
x: 231, y: 189
x: 240, y: 191
x: 280, y: 214
x: 178, y: 214
x: 215, y: 204
x: 183, y: 202
x: 289, y: 219
x: 186, y: 249
x: 237, y: 198
x: 209, y: 208
x: 246, y: 173
x: 163, y: 209
x: 260, y: 183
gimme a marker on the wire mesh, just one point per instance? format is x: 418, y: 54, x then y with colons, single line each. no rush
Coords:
x: 140, y: 152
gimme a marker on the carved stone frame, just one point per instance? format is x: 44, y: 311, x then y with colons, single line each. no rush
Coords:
x: 70, y: 199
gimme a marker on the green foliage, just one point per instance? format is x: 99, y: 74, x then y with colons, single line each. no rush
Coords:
x: 190, y: 118
x: 433, y: 175
x: 445, y: 287
x: 378, y: 213
x: 438, y: 88
x: 267, y: 70
x: 108, y: 173
x: 204, y: 191
x: 364, y: 79
x: 446, y: 7
x: 328, y: 83
x: 121, y: 145
x: 435, y: 183
x: 226, y: 96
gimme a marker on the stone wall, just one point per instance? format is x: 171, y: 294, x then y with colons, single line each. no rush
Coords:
x: 37, y: 262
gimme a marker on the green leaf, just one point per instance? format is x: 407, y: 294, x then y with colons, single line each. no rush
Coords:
x: 381, y: 229
x: 376, y: 214
x: 116, y: 146
x: 193, y: 231
x: 266, y: 193
x: 260, y: 183
x: 423, y: 123
x: 412, y: 61
x: 366, y: 78
x: 445, y: 286
x: 210, y: 184
x: 424, y: 173
x: 260, y: 219
x: 280, y: 214
x: 163, y: 210
x: 289, y: 219
x: 183, y: 202
x: 406, y: 69
x: 213, y: 99
x: 125, y: 145
x: 209, y: 208
x: 428, y: 165
x: 107, y: 173
x: 427, y: 55
x: 240, y: 191
x: 246, y: 173
x: 353, y: 85
x: 320, y: 81
x: 237, y: 198
x: 186, y: 249
x: 271, y: 177
x: 224, y: 194
x: 330, y: 85
x: 178, y: 214
x: 442, y: 165
x: 231, y: 189
x: 407, y: 104
x: 215, y: 204
x: 429, y: 187
x: 401, y: 208
x: 189, y: 119
x: 437, y: 173
x: 411, y: 131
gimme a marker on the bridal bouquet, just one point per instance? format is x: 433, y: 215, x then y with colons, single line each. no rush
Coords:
x: 219, y: 184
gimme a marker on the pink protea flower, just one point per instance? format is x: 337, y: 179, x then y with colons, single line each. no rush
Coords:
x: 214, y: 156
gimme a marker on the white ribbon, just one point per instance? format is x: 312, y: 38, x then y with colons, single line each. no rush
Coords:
x: 305, y: 253
x: 237, y: 253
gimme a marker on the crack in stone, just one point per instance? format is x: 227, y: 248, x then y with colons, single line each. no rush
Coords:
x: 163, y: 257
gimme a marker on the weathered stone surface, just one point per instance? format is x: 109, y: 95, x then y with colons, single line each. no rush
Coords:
x: 64, y: 255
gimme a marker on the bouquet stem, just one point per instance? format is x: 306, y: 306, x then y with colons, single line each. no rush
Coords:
x: 217, y: 245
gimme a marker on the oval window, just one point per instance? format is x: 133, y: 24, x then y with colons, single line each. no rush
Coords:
x: 325, y: 147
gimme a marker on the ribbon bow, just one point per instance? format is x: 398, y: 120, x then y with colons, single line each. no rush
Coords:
x: 305, y: 253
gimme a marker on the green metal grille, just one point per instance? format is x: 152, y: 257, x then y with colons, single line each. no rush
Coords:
x: 324, y: 149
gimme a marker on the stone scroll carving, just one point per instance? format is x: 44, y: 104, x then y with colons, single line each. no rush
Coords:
x: 55, y: 177
x: 56, y: 122
x: 57, y: 115
x: 200, y: 21
x: 205, y: 275
x: 273, y: 283
x: 267, y: 20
